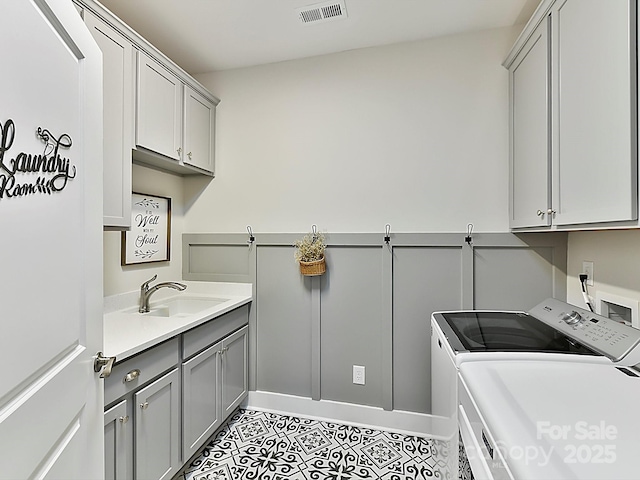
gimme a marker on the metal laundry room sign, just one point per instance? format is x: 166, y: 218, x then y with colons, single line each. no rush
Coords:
x: 34, y: 173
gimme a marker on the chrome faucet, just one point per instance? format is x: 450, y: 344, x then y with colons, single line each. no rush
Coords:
x: 146, y: 291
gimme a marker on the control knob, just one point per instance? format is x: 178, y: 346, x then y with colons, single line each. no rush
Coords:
x: 571, y: 318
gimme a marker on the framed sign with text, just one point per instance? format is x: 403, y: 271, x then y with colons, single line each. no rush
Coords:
x: 149, y: 239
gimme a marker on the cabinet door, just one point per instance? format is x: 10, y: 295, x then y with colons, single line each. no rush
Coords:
x: 157, y: 435
x: 159, y: 113
x: 118, y: 84
x: 234, y: 370
x: 199, y: 126
x: 201, y: 412
x: 594, y: 150
x: 530, y: 155
x: 117, y: 438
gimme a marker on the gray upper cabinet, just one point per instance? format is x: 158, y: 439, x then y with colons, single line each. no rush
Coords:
x: 155, y: 113
x: 199, y: 128
x: 159, y: 112
x: 530, y: 109
x: 173, y: 120
x: 118, y: 83
x: 594, y: 144
x: 573, y: 117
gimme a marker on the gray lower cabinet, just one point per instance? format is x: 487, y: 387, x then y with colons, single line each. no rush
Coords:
x: 118, y: 433
x: 214, y: 383
x: 201, y: 382
x: 214, y: 376
x: 235, y: 385
x: 164, y: 403
x: 157, y: 438
x: 142, y: 436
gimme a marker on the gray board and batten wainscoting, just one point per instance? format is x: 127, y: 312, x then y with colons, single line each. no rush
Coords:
x: 373, y: 305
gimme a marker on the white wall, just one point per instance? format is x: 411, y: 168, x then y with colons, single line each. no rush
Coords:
x: 119, y: 279
x: 414, y: 134
x: 616, y: 258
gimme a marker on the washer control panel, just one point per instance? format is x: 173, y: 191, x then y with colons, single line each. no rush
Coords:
x: 602, y: 334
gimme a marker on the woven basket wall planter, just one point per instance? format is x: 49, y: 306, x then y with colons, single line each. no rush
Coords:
x: 313, y: 269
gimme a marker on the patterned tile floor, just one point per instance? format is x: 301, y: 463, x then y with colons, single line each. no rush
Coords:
x: 267, y: 446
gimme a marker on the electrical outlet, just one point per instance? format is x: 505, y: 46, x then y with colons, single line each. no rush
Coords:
x: 358, y: 375
x: 587, y: 269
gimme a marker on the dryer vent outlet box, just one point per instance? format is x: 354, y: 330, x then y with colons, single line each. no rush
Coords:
x: 322, y: 12
x: 620, y: 309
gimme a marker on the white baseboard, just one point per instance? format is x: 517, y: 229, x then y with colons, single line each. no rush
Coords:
x: 406, y: 423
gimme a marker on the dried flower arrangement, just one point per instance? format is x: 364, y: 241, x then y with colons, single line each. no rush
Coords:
x: 310, y: 253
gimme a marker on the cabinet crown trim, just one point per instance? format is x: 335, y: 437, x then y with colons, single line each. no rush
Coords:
x: 139, y: 42
x: 540, y: 13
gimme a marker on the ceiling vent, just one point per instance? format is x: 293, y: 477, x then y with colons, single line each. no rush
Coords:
x: 322, y: 12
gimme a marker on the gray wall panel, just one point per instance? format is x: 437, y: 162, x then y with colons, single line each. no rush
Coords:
x: 512, y: 278
x: 222, y: 259
x: 283, y: 326
x: 209, y: 259
x: 351, y: 324
x: 372, y: 306
x: 424, y: 280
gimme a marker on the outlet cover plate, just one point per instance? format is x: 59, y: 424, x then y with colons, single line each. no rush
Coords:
x: 358, y: 375
x: 587, y: 267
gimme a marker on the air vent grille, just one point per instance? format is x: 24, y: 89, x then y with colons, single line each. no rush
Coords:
x: 311, y: 15
x: 332, y: 11
x: 314, y: 14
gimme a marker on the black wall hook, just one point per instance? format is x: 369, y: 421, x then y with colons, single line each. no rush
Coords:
x: 469, y: 237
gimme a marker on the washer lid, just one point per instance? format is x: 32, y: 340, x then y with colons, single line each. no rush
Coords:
x: 495, y: 331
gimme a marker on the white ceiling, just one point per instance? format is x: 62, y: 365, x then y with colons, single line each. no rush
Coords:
x: 208, y: 35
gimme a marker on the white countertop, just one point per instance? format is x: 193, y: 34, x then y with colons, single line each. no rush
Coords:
x: 127, y: 333
x: 556, y: 420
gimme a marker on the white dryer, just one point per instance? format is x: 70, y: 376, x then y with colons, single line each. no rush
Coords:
x: 553, y: 331
x: 525, y: 420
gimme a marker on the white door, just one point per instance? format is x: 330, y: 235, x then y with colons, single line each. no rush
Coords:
x: 51, y: 243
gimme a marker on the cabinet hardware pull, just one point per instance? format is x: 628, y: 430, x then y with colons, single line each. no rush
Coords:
x: 102, y: 361
x: 540, y: 213
x: 124, y: 419
x: 144, y: 405
x: 189, y: 155
x: 131, y: 376
x: 551, y: 211
x: 179, y: 150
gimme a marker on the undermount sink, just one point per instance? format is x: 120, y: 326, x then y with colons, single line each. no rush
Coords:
x: 181, y: 306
